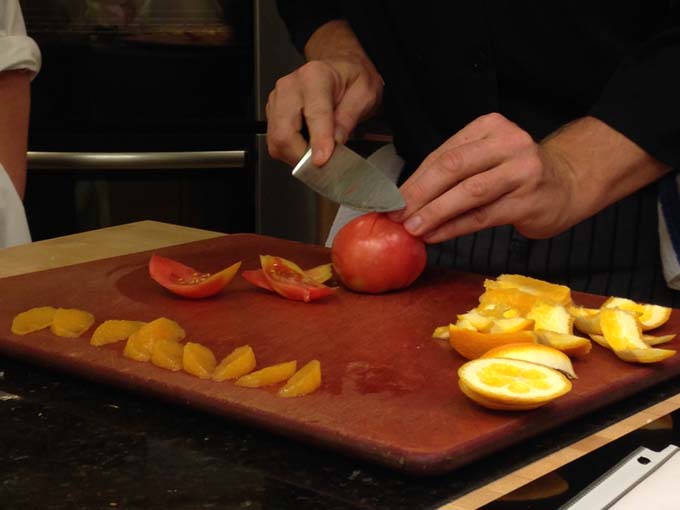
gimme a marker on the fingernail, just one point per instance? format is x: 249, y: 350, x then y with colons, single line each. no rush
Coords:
x: 339, y: 136
x: 319, y: 156
x: 412, y: 224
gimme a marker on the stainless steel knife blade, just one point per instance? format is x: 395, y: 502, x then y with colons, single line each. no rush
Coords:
x: 351, y: 180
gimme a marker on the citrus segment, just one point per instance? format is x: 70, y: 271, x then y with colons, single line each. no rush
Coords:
x: 508, y: 297
x: 138, y: 348
x: 472, y: 344
x: 198, y: 360
x: 535, y: 353
x: 71, y: 322
x: 240, y: 361
x: 304, y: 381
x: 161, y: 329
x: 269, y: 375
x: 168, y: 354
x: 32, y: 320
x: 111, y: 331
x: 513, y: 382
x: 571, y: 345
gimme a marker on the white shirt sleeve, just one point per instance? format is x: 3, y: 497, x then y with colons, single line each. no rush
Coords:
x: 17, y: 50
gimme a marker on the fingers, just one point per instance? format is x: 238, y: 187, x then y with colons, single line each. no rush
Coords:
x: 284, y: 122
x: 452, y: 167
x: 355, y: 105
x: 470, y: 197
x: 318, y: 110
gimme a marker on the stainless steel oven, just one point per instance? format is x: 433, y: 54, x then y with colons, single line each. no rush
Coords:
x: 154, y: 109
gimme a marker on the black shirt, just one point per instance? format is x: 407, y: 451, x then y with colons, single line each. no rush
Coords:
x: 541, y: 64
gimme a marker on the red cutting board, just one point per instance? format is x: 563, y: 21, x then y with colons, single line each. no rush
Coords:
x: 389, y: 391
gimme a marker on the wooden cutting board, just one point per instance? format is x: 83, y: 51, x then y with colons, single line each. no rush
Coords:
x: 389, y: 391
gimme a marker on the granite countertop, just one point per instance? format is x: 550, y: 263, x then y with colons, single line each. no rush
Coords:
x: 69, y: 443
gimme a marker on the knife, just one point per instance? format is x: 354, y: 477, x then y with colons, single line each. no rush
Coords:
x: 350, y: 180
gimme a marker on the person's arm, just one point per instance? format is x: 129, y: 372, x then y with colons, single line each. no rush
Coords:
x: 15, y: 101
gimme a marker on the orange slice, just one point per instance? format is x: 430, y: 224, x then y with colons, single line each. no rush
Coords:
x: 511, y: 384
x: 304, y: 381
x: 269, y: 375
x: 111, y: 331
x: 535, y: 353
x: 544, y: 291
x: 550, y: 317
x: 71, y: 322
x: 138, y: 348
x: 240, y: 362
x: 168, y: 354
x: 472, y: 344
x: 198, y: 360
x: 571, y: 345
x: 650, y: 316
x: 33, y: 320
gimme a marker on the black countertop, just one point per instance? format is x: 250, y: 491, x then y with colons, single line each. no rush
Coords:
x: 67, y: 443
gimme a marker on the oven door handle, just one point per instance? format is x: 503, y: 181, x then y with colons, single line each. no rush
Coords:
x: 39, y: 160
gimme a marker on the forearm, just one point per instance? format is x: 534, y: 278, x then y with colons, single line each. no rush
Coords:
x: 15, y: 101
x: 604, y: 164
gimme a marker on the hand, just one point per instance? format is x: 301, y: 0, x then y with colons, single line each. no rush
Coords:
x: 493, y: 173
x: 331, y: 94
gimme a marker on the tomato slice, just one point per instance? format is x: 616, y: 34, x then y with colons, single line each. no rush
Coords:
x: 257, y: 278
x: 289, y: 280
x: 186, y: 281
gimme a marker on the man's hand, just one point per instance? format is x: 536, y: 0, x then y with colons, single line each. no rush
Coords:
x: 331, y: 93
x: 493, y: 173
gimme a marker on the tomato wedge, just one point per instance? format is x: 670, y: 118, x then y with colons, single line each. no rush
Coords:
x: 289, y: 280
x: 320, y: 274
x: 186, y: 281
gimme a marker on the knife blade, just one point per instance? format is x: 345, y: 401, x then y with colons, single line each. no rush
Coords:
x: 349, y: 179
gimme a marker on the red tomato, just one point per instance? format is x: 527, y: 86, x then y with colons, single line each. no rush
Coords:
x: 374, y: 254
x: 186, y: 281
x: 289, y: 280
x: 320, y: 274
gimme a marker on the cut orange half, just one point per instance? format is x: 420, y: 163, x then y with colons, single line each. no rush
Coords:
x: 512, y: 383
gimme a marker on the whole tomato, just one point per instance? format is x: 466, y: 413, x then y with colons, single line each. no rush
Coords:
x: 374, y: 254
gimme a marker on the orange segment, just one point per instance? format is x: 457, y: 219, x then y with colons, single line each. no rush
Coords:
x: 32, y: 320
x: 571, y: 345
x: 269, y: 375
x: 304, y: 381
x: 240, y: 362
x: 71, y: 322
x: 139, y: 345
x: 198, y: 360
x: 138, y: 348
x: 168, y: 354
x: 111, y: 331
x: 513, y: 383
x: 472, y: 344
